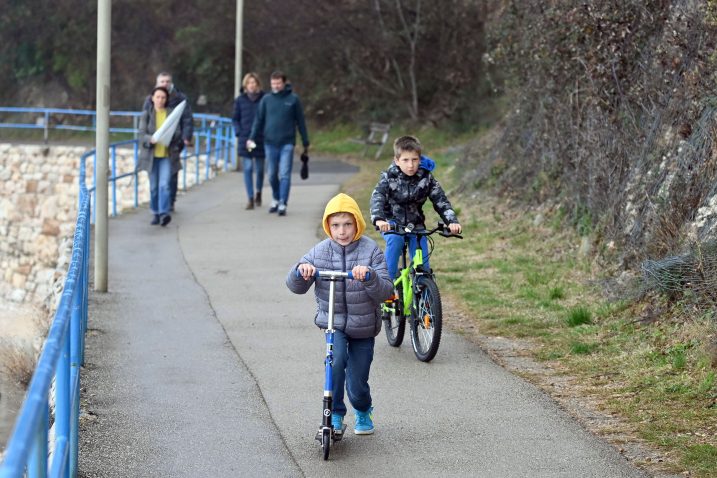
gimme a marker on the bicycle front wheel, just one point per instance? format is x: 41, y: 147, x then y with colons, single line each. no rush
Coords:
x: 394, y: 323
x: 426, y: 320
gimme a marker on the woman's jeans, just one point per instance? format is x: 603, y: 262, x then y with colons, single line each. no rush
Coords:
x: 394, y: 246
x: 281, y: 160
x: 248, y: 164
x: 159, y: 190
x: 352, y: 363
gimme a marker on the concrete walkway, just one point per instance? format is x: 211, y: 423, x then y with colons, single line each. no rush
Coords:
x: 202, y: 363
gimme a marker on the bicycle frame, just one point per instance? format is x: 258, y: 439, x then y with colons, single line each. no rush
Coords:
x: 405, y: 278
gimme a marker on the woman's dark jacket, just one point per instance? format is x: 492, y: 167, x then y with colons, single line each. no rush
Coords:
x: 243, y: 119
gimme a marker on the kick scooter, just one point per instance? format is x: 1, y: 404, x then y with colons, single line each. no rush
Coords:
x: 326, y: 434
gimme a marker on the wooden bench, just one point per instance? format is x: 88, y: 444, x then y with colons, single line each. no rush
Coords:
x: 377, y: 136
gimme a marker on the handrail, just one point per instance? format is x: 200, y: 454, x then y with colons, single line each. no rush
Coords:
x: 218, y: 143
x: 63, y: 351
x: 61, y: 357
x: 47, y: 113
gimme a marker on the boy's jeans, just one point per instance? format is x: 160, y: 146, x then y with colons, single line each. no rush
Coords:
x: 159, y: 188
x: 281, y: 160
x: 394, y: 246
x: 248, y: 171
x: 352, y: 363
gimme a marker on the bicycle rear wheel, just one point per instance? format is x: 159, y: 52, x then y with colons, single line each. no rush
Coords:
x: 394, y: 322
x: 426, y: 320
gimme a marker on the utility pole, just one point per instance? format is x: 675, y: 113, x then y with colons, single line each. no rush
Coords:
x: 237, y: 65
x: 238, y: 47
x: 102, y: 140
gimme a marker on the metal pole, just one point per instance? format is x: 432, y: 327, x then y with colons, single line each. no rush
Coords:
x: 102, y: 139
x: 238, y: 47
x: 237, y: 69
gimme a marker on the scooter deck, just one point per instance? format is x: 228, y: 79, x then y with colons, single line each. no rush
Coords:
x: 336, y: 435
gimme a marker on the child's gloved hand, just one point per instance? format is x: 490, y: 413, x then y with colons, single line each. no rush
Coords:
x: 307, y: 271
x: 359, y: 272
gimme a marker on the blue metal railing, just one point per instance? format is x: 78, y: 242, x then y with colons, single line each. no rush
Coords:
x: 213, y: 144
x: 63, y: 351
x: 47, y: 119
x: 61, y: 357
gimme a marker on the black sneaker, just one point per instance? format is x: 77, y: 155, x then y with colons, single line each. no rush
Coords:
x: 166, y: 219
x: 155, y: 220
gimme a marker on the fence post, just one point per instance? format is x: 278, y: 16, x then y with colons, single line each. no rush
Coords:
x: 220, y: 146
x: 136, y: 175
x: 185, y: 153
x: 62, y: 403
x: 208, y: 149
x: 75, y: 340
x: 196, y: 158
x: 47, y: 126
x: 37, y: 462
x: 114, y: 180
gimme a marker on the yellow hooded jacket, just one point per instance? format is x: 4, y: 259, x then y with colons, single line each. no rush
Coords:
x: 344, y: 203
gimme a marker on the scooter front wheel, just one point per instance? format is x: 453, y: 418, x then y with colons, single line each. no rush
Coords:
x: 326, y: 442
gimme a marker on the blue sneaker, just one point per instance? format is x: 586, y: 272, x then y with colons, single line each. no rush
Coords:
x: 364, y: 422
x: 337, y: 421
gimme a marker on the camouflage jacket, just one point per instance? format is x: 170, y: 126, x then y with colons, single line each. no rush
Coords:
x: 400, y: 198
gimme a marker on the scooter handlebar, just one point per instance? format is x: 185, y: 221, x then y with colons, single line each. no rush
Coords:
x: 334, y: 274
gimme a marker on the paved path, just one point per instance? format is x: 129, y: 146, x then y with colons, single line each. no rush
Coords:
x: 204, y: 364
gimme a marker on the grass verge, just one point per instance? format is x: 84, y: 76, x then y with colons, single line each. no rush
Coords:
x: 524, y: 279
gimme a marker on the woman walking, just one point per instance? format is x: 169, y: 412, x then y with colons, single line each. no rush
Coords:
x: 157, y: 159
x: 252, y: 160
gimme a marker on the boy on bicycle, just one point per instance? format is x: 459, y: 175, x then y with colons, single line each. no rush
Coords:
x: 357, y: 315
x: 399, y: 196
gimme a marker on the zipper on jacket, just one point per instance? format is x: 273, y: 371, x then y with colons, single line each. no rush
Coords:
x: 346, y: 305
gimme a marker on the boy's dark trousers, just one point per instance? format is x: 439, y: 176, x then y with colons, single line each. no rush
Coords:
x: 352, y: 364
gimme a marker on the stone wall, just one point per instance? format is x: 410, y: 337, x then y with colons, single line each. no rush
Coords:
x: 38, y: 208
x: 39, y: 191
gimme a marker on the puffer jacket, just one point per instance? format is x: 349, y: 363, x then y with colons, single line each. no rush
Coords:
x: 400, y: 198
x: 356, y: 304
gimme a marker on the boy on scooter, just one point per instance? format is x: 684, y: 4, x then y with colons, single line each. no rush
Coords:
x: 357, y: 314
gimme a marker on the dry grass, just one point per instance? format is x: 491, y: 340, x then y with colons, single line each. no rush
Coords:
x: 646, y: 369
x: 17, y: 361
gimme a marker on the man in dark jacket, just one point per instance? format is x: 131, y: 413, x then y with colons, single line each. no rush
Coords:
x: 278, y: 116
x: 186, y: 124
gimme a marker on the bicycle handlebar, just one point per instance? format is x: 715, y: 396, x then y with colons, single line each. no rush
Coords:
x: 408, y: 229
x: 332, y: 275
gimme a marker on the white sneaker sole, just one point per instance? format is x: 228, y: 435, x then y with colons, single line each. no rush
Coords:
x: 363, y: 432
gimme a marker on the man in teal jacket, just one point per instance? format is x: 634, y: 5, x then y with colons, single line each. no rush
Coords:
x: 278, y: 116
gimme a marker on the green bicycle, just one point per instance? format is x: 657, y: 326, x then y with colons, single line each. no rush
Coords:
x: 416, y: 299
